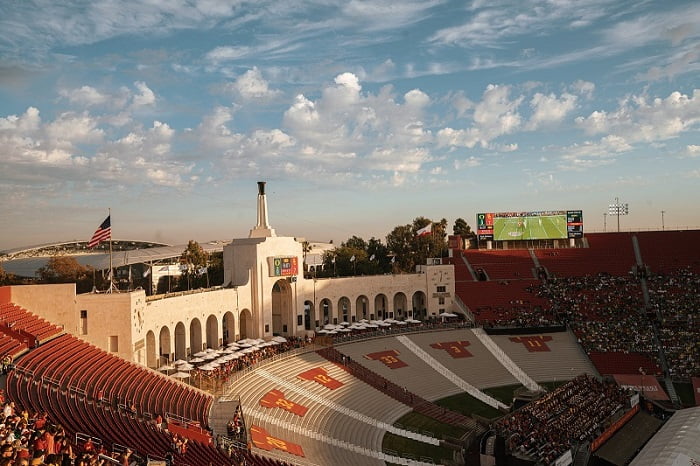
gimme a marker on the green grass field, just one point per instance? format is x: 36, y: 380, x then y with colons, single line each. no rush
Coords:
x: 526, y: 228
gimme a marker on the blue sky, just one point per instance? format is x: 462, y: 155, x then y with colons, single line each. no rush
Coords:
x: 360, y: 115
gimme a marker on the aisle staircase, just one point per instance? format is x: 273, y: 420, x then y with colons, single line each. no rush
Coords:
x: 449, y: 375
x: 506, y: 361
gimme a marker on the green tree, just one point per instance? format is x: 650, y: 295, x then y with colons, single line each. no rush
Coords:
x: 194, y: 261
x: 65, y: 269
x: 7, y: 278
x: 462, y: 228
x: 401, y: 242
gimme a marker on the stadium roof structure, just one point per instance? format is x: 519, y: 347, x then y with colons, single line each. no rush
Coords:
x: 145, y: 256
x: 28, y: 266
x: 675, y: 444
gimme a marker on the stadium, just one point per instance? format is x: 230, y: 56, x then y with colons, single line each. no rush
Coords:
x: 542, y: 346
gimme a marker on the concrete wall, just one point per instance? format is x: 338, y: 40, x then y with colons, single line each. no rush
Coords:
x: 55, y: 303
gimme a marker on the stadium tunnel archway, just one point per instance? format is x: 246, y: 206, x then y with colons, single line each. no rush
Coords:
x: 151, y: 355
x: 344, y: 309
x: 326, y: 311
x: 310, y: 322
x: 282, y: 310
x: 212, y: 332
x: 165, y: 347
x: 418, y: 303
x: 195, y: 336
x: 361, y: 308
x: 228, y: 328
x: 380, y: 305
x: 400, y: 306
x: 180, y: 341
x: 245, y: 321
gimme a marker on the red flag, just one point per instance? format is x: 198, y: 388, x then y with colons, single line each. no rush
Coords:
x: 103, y: 233
x: 426, y: 230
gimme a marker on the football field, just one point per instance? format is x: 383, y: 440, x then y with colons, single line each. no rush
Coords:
x: 525, y: 228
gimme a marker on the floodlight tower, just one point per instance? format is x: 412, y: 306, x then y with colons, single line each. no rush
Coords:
x: 618, y: 209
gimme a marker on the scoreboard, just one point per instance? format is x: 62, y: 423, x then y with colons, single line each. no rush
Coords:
x: 574, y: 223
x: 285, y: 266
x: 532, y: 225
x: 484, y: 226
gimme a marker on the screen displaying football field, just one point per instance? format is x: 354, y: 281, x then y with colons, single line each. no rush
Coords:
x: 530, y: 227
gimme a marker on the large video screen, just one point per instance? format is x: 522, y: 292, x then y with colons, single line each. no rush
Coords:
x: 514, y: 226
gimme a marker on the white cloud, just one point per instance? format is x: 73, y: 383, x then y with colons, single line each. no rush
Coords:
x: 549, y: 109
x: 85, y: 96
x: 639, y: 119
x: 252, y: 86
x: 583, y: 88
x: 470, y: 162
x: 145, y: 96
x: 70, y: 128
x: 692, y: 150
x: 591, y: 154
x: 23, y: 124
x: 227, y: 53
x: 495, y: 115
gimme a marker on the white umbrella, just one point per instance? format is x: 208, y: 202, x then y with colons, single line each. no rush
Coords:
x: 179, y: 361
x: 364, y: 321
x: 345, y: 323
x: 329, y: 327
x: 180, y: 375
x: 209, y: 356
x: 322, y: 331
x: 207, y: 367
x: 196, y: 360
x: 185, y: 367
x: 344, y: 330
x: 166, y: 367
x: 279, y: 339
x: 200, y: 354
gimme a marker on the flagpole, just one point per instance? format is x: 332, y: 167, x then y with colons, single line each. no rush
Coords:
x: 111, y: 271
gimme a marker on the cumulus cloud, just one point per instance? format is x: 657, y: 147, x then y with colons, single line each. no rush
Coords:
x: 73, y: 148
x: 251, y: 85
x: 639, y: 118
x: 145, y: 96
x: 591, y: 154
x: 550, y: 109
x: 692, y: 150
x: 495, y: 115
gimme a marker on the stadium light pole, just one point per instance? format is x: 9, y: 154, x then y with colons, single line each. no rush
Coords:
x: 605, y: 221
x: 618, y: 209
x: 663, y: 227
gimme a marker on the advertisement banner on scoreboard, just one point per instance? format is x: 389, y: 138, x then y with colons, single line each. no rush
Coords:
x: 484, y: 226
x: 283, y: 266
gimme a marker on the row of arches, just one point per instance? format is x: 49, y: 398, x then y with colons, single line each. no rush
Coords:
x: 362, y: 307
x: 185, y: 340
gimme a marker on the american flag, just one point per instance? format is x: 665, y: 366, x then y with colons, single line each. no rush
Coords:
x: 103, y: 233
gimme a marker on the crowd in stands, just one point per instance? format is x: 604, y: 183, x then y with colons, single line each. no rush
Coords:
x: 573, y: 413
x: 608, y: 314
x: 31, y: 439
x: 675, y: 298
